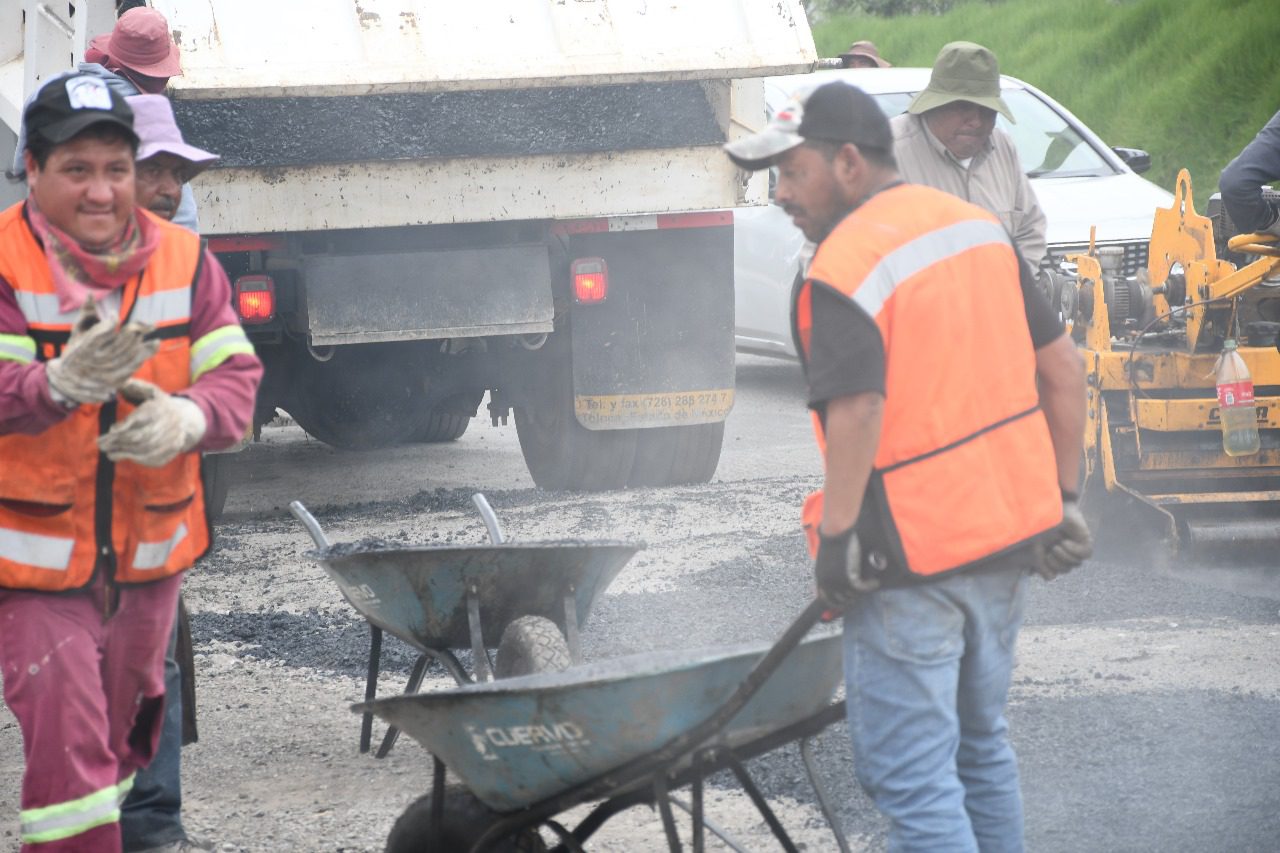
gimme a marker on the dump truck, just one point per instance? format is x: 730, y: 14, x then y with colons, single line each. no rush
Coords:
x: 1154, y: 455
x: 421, y: 204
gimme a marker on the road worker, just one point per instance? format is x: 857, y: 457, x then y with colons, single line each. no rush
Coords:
x: 951, y: 462
x: 120, y: 360
x: 1244, y: 177
x: 948, y: 139
x: 863, y: 54
x: 151, y: 816
x: 138, y: 56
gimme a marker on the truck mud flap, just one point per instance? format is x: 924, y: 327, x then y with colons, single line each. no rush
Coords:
x: 658, y: 351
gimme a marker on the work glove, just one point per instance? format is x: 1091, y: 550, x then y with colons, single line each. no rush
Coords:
x: 97, y: 357
x: 1067, y: 545
x: 837, y: 570
x: 158, y: 430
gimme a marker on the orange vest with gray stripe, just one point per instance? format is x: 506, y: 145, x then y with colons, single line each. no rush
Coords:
x: 965, y: 468
x: 64, y: 507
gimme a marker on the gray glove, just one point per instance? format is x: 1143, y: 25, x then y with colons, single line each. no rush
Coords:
x: 1067, y: 545
x: 158, y: 430
x: 98, y: 358
x: 837, y: 570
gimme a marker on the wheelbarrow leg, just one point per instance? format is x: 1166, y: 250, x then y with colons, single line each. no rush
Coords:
x: 571, y: 626
x: 663, y: 800
x: 371, y: 685
x: 761, y: 804
x: 824, y: 801
x: 415, y: 681
x: 480, y: 662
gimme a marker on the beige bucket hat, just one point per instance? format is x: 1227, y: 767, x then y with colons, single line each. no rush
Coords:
x: 963, y: 71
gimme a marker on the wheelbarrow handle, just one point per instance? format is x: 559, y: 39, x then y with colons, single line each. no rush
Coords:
x: 490, y: 519
x: 309, y: 521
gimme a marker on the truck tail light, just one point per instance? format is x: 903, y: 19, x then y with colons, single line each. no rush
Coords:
x: 590, y: 280
x: 255, y: 297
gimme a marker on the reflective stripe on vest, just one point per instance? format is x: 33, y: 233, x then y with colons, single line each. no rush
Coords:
x: 153, y: 555
x: 54, y: 525
x: 164, y: 308
x: 72, y: 818
x: 965, y: 468
x: 41, y: 309
x: 918, y: 255
x: 34, y: 549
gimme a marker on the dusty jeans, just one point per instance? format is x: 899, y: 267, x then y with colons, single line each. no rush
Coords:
x: 927, y: 671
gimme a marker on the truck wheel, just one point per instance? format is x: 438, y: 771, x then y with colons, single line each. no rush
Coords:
x: 563, y: 454
x: 217, y: 481
x: 358, y: 400
x: 531, y: 644
x: 465, y: 820
x: 669, y: 456
x: 437, y: 426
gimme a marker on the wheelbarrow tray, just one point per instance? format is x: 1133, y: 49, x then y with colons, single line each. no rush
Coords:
x: 419, y: 593
x: 517, y: 741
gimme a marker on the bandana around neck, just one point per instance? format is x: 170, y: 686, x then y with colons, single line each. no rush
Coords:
x: 78, y: 272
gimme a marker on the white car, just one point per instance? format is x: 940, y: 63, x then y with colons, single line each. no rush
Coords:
x: 1093, y: 185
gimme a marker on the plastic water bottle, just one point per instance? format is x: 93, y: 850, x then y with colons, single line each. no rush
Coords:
x: 1235, y: 403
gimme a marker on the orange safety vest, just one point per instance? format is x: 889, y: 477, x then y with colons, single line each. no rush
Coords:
x: 965, y: 468
x: 65, y: 509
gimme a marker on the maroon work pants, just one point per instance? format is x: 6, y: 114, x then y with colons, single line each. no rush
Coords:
x: 88, y: 692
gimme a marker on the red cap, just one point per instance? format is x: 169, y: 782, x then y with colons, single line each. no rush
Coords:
x: 141, y: 43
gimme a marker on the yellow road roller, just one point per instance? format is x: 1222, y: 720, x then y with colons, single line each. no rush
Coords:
x: 1154, y: 455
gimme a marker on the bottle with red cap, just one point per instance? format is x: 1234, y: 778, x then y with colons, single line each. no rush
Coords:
x: 1235, y: 403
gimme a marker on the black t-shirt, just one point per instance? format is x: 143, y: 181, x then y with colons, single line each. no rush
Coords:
x: 846, y: 352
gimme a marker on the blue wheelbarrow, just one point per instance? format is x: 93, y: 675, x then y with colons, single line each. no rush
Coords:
x: 529, y: 597
x: 623, y: 732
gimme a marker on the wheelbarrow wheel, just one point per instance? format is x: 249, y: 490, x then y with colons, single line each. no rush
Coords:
x: 465, y: 820
x: 531, y: 644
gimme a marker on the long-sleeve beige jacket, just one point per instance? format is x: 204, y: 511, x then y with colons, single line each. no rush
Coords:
x: 994, y: 180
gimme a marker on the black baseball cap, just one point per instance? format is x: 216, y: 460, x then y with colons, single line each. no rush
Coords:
x: 67, y: 105
x: 832, y: 112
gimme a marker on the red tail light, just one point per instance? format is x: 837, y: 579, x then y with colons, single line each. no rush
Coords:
x: 255, y: 298
x: 590, y: 280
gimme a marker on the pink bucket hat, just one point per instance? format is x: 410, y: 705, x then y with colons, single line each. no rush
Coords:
x: 141, y: 43
x: 158, y: 133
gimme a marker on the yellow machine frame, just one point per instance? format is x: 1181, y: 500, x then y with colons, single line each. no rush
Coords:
x: 1172, y: 390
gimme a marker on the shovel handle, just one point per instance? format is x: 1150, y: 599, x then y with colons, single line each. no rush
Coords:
x: 309, y: 521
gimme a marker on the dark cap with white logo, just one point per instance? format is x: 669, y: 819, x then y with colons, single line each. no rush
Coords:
x: 833, y: 112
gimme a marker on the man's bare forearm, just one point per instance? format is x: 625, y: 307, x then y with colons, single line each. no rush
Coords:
x: 1060, y: 370
x: 853, y: 435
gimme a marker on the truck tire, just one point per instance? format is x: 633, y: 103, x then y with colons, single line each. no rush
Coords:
x: 358, y: 400
x: 216, y: 477
x: 437, y: 426
x: 671, y: 456
x: 465, y: 820
x: 529, y: 645
x: 561, y: 453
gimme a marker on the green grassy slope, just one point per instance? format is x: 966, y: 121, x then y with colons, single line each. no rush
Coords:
x: 1190, y: 81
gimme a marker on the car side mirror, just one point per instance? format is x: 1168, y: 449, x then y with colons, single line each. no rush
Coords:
x: 1135, y: 158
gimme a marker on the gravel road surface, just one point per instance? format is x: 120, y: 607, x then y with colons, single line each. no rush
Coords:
x: 1145, y: 706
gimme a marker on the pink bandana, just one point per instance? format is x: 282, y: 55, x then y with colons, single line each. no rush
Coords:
x: 77, y: 272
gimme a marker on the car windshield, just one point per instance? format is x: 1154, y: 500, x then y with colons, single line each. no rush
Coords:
x: 1047, y: 145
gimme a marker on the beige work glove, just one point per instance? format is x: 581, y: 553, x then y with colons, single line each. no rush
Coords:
x: 1066, y: 546
x: 98, y: 358
x: 158, y: 430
